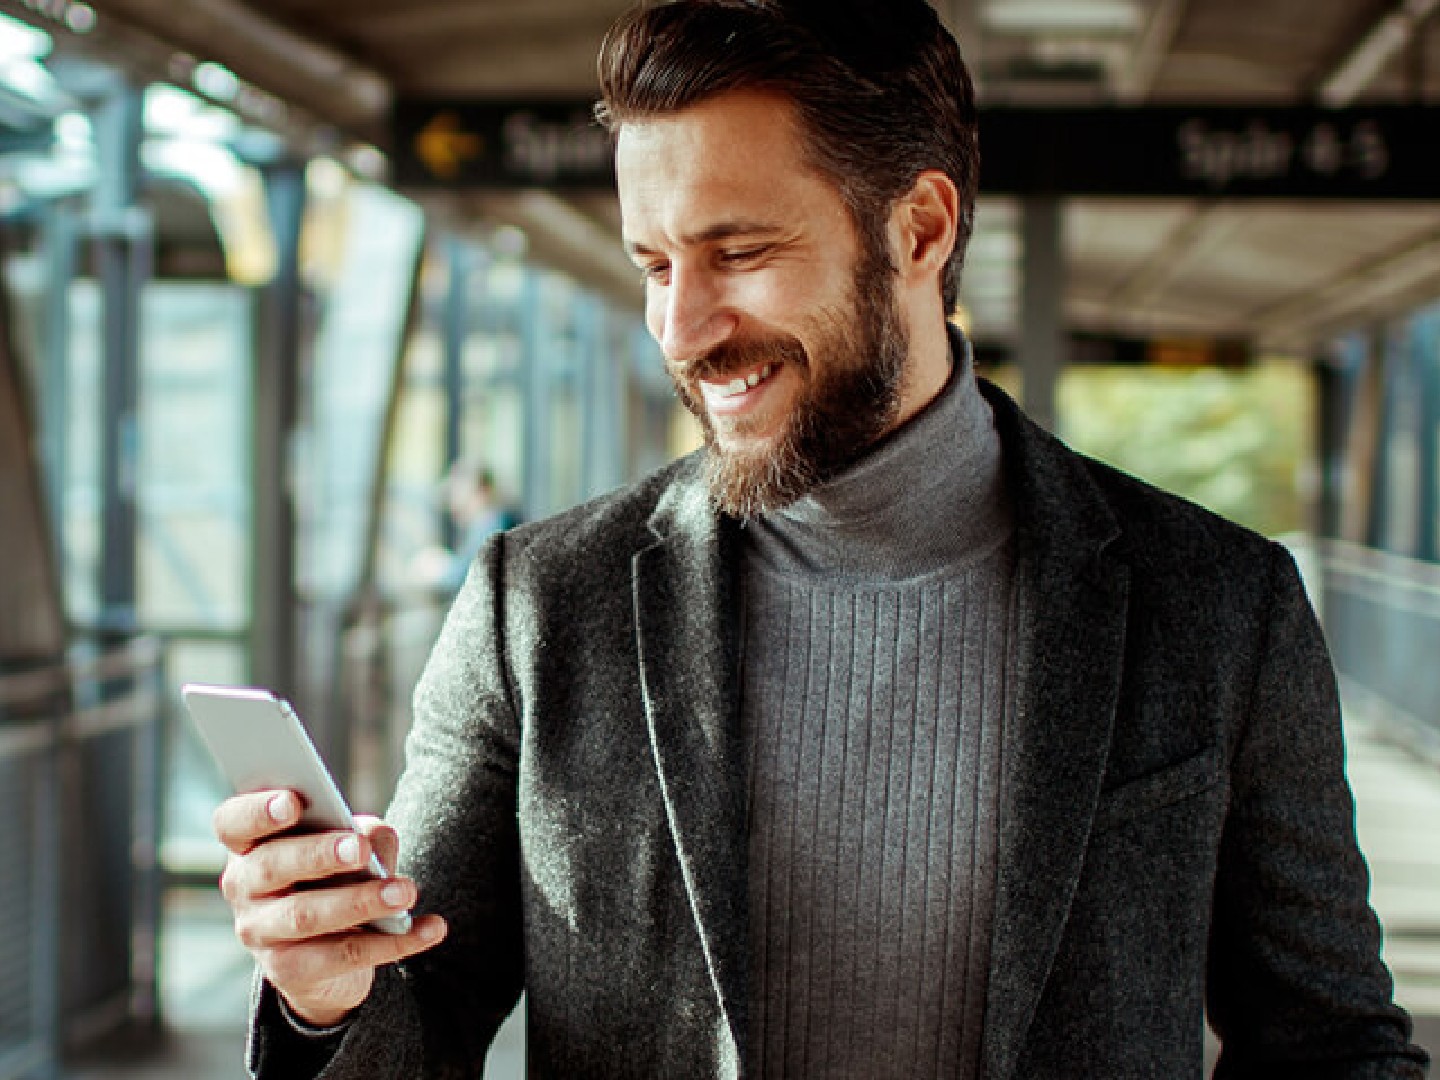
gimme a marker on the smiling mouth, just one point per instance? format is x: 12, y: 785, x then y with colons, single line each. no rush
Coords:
x: 743, y: 383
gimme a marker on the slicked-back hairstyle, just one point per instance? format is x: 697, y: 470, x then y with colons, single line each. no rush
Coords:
x: 879, y: 88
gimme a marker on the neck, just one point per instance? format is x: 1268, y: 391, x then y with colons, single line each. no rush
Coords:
x: 926, y: 497
x: 927, y: 369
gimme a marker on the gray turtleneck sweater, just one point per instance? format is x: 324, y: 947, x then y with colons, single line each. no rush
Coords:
x: 878, y: 679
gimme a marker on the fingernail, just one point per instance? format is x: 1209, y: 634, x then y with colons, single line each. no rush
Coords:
x: 394, y: 894
x: 432, y: 931
x: 348, y: 850
x: 282, y: 808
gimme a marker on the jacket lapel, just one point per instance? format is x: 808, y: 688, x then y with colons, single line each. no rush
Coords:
x: 687, y: 628
x: 1070, y: 653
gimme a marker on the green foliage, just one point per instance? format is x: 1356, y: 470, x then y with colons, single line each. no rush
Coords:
x: 1237, y: 442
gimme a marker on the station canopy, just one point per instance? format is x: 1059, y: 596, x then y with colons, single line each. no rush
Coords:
x: 1282, y: 271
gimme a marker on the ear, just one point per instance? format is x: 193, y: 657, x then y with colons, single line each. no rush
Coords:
x: 926, y: 221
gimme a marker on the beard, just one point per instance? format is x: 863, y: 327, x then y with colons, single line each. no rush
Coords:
x: 848, y: 399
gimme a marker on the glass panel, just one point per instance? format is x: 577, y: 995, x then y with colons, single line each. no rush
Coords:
x: 357, y: 352
x: 82, y: 455
x: 194, y: 456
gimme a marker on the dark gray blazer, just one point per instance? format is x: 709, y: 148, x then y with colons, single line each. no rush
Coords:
x: 1175, y: 828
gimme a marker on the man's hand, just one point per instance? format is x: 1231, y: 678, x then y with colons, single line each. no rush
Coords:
x: 301, y: 903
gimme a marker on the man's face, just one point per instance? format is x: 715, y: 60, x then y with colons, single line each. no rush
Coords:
x: 779, y: 328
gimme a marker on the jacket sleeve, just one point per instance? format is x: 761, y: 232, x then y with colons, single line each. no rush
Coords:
x: 1296, y: 985
x: 436, y: 1014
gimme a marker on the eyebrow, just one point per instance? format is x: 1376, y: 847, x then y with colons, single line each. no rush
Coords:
x: 725, y: 230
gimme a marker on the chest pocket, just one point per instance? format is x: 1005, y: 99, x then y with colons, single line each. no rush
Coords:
x: 1168, y: 785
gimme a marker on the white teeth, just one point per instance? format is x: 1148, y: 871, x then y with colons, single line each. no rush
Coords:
x: 743, y: 383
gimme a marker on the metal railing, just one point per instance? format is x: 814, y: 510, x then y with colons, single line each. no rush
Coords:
x: 79, y: 879
x: 1382, y: 622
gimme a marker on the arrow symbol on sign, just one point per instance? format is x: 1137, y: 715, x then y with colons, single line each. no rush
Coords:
x: 444, y: 146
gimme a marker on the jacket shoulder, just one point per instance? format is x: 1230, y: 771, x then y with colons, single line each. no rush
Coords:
x: 613, y: 524
x: 1160, y: 523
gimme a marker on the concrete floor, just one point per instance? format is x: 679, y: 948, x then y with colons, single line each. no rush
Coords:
x: 206, y: 975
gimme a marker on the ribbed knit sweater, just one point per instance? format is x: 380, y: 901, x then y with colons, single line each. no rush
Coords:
x: 878, y: 678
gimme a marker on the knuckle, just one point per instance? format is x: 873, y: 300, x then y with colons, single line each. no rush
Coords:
x: 301, y: 917
x: 266, y: 877
x: 320, y: 859
x: 248, y: 933
x: 366, y: 905
x: 352, y: 952
x: 229, y: 883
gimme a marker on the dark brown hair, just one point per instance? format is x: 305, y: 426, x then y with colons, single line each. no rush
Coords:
x: 879, y: 87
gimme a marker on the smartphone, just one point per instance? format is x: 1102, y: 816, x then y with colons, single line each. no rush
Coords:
x: 259, y: 744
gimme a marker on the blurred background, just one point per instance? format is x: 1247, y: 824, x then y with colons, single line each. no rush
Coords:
x: 298, y: 301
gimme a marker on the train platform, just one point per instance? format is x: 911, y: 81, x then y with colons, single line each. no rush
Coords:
x: 206, y: 975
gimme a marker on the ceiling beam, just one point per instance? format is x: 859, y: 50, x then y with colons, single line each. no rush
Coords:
x: 491, y: 23
x: 297, y: 69
x: 1207, y: 227
x: 1134, y: 84
x: 562, y: 236
x: 1386, y: 38
x: 1386, y: 283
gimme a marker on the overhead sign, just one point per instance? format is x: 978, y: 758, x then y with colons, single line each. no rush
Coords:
x: 498, y: 145
x: 1385, y: 152
x: 1296, y: 153
x: 1106, y: 350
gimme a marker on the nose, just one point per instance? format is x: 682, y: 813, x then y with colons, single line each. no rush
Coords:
x: 688, y: 315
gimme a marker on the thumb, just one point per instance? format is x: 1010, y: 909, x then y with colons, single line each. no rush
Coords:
x: 383, y: 839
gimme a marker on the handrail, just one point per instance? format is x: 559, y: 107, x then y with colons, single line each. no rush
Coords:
x: 1382, y: 623
x: 1381, y: 567
x: 28, y: 687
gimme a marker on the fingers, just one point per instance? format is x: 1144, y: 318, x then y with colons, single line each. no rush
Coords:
x: 282, y: 863
x: 303, y: 914
x: 319, y: 960
x: 323, y: 979
x: 244, y: 820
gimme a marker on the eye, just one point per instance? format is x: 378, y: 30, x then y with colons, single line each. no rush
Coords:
x: 743, y: 256
x: 656, y: 272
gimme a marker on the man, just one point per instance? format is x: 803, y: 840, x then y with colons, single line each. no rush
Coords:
x: 885, y: 737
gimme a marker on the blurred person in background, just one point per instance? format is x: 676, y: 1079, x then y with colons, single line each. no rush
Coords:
x: 476, y: 508
x: 883, y: 737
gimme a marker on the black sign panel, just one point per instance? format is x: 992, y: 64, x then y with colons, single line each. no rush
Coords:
x: 498, y: 144
x: 1108, y: 350
x: 1385, y: 152
x: 1378, y: 153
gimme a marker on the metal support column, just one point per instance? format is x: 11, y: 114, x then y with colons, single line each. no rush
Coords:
x: 123, y: 260
x: 61, y: 238
x: 603, y: 400
x: 1042, y: 305
x: 274, y: 596
x: 459, y: 261
x: 1334, y: 381
x: 535, y: 388
x: 1427, y: 374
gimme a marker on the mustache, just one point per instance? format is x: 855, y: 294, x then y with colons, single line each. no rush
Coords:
x: 741, y: 354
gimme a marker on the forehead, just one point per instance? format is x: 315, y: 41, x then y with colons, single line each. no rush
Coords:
x: 729, y: 154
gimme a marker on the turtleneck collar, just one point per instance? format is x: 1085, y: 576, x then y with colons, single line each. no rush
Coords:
x: 926, y: 498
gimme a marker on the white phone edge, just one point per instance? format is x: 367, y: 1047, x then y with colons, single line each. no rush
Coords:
x: 320, y: 787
